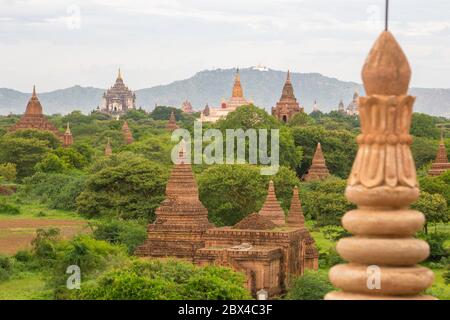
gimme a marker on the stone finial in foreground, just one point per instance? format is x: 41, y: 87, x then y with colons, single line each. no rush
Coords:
x: 383, y: 255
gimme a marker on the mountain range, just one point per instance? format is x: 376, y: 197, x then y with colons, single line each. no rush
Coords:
x: 261, y: 85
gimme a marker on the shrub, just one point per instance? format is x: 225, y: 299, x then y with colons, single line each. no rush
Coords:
x: 162, y: 280
x: 6, y: 208
x: 334, y: 233
x: 310, y: 286
x: 329, y: 258
x: 5, y: 268
x: 8, y: 171
x: 436, y: 242
x: 129, y: 233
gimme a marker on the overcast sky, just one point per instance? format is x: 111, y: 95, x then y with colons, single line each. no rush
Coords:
x: 57, y: 43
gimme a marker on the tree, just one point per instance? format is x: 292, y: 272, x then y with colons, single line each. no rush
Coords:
x: 310, y: 286
x: 300, y: 119
x: 51, y: 163
x: 24, y: 153
x: 125, y: 186
x: 434, y: 207
x: 49, y: 138
x: 231, y: 192
x: 424, y: 125
x: 423, y: 150
x: 163, y: 113
x: 166, y: 280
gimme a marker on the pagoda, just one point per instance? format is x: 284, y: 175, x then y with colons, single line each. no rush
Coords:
x: 172, y: 124
x: 34, y: 118
x: 118, y: 99
x: 440, y: 164
x: 108, y: 149
x: 318, y: 169
x: 271, y: 208
x: 127, y: 136
x: 67, y: 138
x: 237, y: 95
x: 352, y: 108
x: 341, y: 107
x: 186, y: 107
x: 295, y: 216
x: 288, y: 106
x: 181, y: 219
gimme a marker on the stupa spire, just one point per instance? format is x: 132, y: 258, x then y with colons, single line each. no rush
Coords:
x: 172, y: 124
x: 67, y: 139
x: 34, y: 107
x: 119, y: 75
x: 384, y: 254
x: 271, y: 208
x: 237, y: 87
x: 108, y: 149
x: 440, y: 164
x: 318, y: 169
x: 127, y: 135
x: 295, y: 216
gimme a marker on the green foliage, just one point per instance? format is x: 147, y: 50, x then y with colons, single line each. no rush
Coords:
x: 324, y: 201
x: 231, y: 192
x: 433, y: 206
x: 334, y: 233
x: 168, y: 280
x: 126, y: 186
x: 8, y: 171
x: 329, y: 258
x: 423, y: 150
x: 310, y: 286
x: 424, y: 125
x: 7, y: 208
x: 437, y: 185
x: 5, y: 268
x: 338, y: 146
x: 436, y: 242
x: 59, y: 191
x: 129, y: 233
x: 47, y: 137
x: 300, y: 119
x: 163, y: 113
x: 51, y: 163
x: 23, y: 152
x: 154, y: 148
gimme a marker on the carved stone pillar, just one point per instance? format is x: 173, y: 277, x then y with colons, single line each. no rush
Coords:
x: 383, y: 184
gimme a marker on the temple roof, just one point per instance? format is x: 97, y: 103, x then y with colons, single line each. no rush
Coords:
x: 318, y: 169
x: 255, y: 221
x: 68, y: 131
x: 440, y: 164
x: 172, y: 124
x: 271, y: 208
x: 34, y: 107
x: 288, y: 90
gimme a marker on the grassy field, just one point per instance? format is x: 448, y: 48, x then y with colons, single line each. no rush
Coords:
x: 25, y: 286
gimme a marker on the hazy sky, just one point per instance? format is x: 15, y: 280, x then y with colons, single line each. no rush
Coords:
x: 57, y: 43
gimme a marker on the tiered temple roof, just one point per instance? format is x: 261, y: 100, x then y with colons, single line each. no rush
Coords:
x: 181, y: 219
x: 68, y: 138
x: 34, y: 118
x: 288, y: 106
x: 318, y: 169
x: 172, y: 124
x: 440, y: 164
x: 186, y: 107
x: 271, y: 208
x: 127, y: 136
x: 118, y: 99
x: 295, y: 216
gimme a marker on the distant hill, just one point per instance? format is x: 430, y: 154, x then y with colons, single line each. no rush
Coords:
x: 211, y: 86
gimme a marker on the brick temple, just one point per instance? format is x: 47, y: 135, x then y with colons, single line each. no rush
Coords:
x: 118, y: 99
x: 318, y: 169
x: 34, y: 118
x: 288, y: 106
x: 440, y: 164
x: 264, y: 246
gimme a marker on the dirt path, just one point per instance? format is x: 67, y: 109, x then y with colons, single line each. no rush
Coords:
x: 17, y: 234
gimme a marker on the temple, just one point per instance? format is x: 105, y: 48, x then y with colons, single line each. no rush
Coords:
x: 237, y: 100
x: 341, y: 107
x: 34, y: 118
x: 186, y: 107
x: 108, y: 149
x: 352, y: 108
x: 440, y: 164
x: 172, y: 124
x: 262, y: 246
x: 288, y: 106
x: 67, y: 138
x: 318, y: 169
x: 126, y: 132
x: 118, y: 99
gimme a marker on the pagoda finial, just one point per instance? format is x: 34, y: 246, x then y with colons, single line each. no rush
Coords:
x: 34, y: 91
x: 288, y: 78
x: 119, y: 75
x: 386, y: 70
x: 68, y: 129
